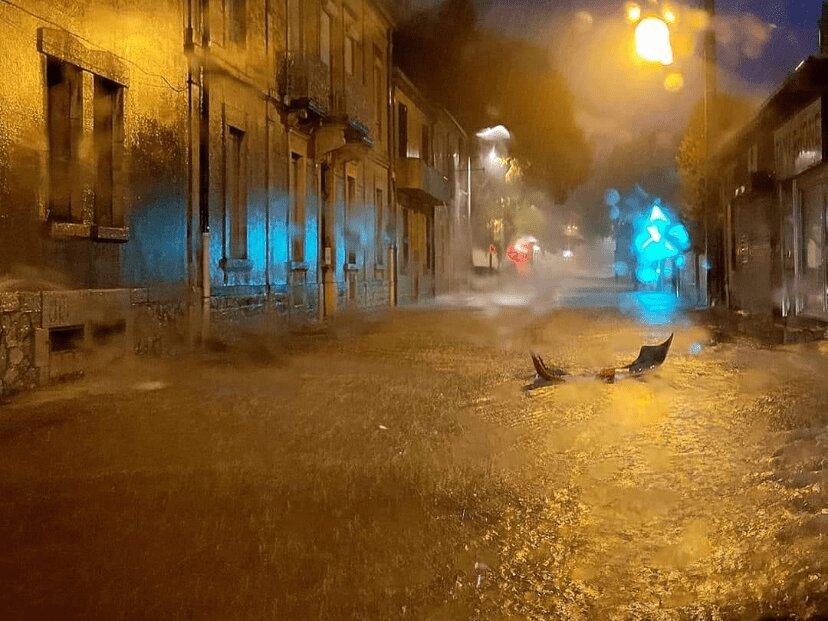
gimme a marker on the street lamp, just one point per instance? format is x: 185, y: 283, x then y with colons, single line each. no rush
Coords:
x: 710, y: 88
x: 492, y: 164
x: 652, y: 41
x: 652, y: 44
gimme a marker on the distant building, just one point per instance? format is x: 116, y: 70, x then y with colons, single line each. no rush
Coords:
x: 168, y: 166
x: 772, y: 196
x: 432, y: 164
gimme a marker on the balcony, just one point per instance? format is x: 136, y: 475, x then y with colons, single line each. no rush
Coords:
x: 354, y: 104
x: 305, y: 82
x: 422, y: 182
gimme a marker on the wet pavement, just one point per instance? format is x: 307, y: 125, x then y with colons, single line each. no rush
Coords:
x: 392, y: 467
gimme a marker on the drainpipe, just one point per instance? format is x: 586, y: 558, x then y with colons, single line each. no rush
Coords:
x: 468, y: 232
x: 204, y: 175
x: 320, y: 242
x: 392, y: 189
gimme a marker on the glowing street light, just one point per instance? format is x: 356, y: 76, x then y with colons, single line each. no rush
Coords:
x: 652, y: 41
x: 494, y: 134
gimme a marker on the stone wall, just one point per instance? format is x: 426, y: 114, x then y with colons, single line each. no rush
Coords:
x: 161, y: 327
x: 19, y: 316
x: 151, y: 323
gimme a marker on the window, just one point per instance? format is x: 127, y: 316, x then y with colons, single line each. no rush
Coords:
x: 237, y: 20
x: 236, y: 194
x: 379, y: 93
x: 296, y: 39
x: 350, y: 207
x: 426, y: 144
x: 350, y: 44
x: 106, y: 115
x: 64, y: 86
x: 379, y: 211
x: 753, y: 158
x: 297, y: 207
x: 406, y: 237
x: 64, y: 104
x: 350, y: 47
x: 429, y: 242
x: 325, y: 38
x: 402, y: 138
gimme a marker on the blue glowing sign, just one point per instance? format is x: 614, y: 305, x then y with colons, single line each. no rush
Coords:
x: 658, y: 237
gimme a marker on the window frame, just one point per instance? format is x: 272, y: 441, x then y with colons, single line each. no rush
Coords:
x: 235, y: 199
x: 297, y: 190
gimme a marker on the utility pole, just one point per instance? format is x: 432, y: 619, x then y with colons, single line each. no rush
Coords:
x: 710, y: 92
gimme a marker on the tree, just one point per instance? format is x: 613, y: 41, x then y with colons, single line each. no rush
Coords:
x: 485, y: 78
x: 646, y: 161
x: 732, y: 113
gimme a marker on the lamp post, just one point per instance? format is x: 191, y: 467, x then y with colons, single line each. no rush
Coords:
x: 710, y: 90
x: 652, y: 44
x: 494, y: 140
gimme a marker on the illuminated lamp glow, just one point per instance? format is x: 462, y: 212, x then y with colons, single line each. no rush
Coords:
x: 633, y: 12
x: 674, y: 82
x: 669, y: 16
x: 498, y: 132
x: 646, y: 275
x: 658, y: 214
x: 568, y: 254
x: 652, y: 41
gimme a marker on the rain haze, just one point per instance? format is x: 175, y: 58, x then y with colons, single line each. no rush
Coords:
x: 416, y: 309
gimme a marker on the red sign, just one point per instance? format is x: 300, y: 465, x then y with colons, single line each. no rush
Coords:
x: 492, y: 249
x: 518, y: 253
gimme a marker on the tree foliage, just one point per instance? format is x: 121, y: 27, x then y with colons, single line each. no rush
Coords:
x: 485, y: 77
x: 731, y: 113
x: 646, y: 161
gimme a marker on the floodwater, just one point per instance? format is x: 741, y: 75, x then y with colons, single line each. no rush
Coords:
x: 394, y: 468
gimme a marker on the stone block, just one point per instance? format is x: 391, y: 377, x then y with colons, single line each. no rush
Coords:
x: 30, y: 302
x: 139, y: 296
x: 24, y: 328
x: 15, y: 356
x: 9, y: 302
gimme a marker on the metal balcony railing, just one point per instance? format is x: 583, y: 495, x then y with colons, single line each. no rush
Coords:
x: 304, y: 79
x: 354, y: 103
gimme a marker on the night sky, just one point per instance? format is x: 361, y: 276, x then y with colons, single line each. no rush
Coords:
x: 791, y: 26
x: 759, y: 43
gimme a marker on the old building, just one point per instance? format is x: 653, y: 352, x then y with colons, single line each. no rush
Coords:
x: 773, y: 198
x: 166, y: 167
x: 97, y: 115
x: 432, y: 179
x: 335, y: 89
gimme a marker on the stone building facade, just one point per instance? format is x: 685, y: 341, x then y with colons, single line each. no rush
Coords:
x: 773, y: 198
x: 432, y: 183
x: 166, y: 167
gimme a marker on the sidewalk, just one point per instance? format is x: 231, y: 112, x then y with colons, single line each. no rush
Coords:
x: 768, y: 330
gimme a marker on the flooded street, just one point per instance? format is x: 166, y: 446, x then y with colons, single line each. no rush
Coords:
x: 394, y: 467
